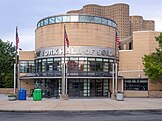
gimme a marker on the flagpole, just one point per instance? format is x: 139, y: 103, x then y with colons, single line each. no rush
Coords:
x: 64, y: 96
x: 15, y: 65
x: 116, y: 64
x: 116, y: 71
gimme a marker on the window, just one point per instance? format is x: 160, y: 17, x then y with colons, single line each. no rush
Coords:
x: 57, y: 64
x: 41, y: 23
x: 45, y: 21
x: 50, y: 64
x: 43, y: 65
x: 91, y: 64
x: 104, y: 21
x: 82, y: 18
x: 74, y: 18
x: 97, y: 20
x: 66, y: 18
x: 51, y: 20
x: 27, y: 66
x: 72, y: 65
x: 82, y: 64
x: 136, y: 84
x: 58, y: 19
x: 38, y: 25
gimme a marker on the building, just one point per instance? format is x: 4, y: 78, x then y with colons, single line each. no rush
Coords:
x: 120, y: 14
x: 92, y: 55
x: 89, y: 58
x: 136, y: 83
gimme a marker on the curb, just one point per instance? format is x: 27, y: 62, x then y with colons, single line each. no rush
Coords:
x: 81, y: 111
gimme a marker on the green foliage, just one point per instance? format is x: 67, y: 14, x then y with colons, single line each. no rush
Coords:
x: 7, y: 55
x: 153, y: 62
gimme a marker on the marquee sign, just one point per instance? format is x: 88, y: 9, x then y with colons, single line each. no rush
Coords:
x: 86, y: 51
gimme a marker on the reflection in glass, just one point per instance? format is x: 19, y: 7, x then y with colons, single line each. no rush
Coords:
x: 49, y: 64
x: 51, y: 20
x: 74, y: 18
x: 77, y: 18
x: 82, y: 18
x: 82, y: 64
x: 72, y: 65
x: 97, y: 20
x: 91, y: 64
x: 27, y: 66
x: 104, y: 21
x: 66, y: 18
x: 45, y: 21
x: 58, y: 19
x: 41, y: 23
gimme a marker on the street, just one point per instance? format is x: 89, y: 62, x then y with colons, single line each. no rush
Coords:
x: 82, y: 116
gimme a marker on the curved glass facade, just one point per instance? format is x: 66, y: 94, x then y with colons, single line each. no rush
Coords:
x: 76, y: 67
x: 76, y: 18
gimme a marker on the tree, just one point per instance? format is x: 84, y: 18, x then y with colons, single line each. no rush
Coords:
x: 153, y: 62
x: 7, y: 59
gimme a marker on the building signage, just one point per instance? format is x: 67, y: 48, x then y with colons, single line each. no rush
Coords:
x: 86, y: 51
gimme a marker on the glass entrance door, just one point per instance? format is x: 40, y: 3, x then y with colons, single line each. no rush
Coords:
x: 99, y: 87
x: 74, y: 88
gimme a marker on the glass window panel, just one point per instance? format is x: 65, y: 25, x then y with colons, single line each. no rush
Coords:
x: 109, y: 22
x: 51, y: 20
x: 49, y: 59
x: 111, y: 60
x: 73, y: 64
x: 135, y: 84
x: 89, y: 19
x: 99, y: 66
x: 97, y: 20
x: 105, y: 60
x: 57, y: 64
x: 45, y: 21
x: 38, y: 25
x: 41, y: 23
x: 82, y: 18
x: 98, y: 59
x: 104, y: 21
x: 58, y: 19
x: 82, y: 64
x: 91, y: 59
x: 66, y: 18
x: 74, y: 18
x: 43, y: 65
x: 27, y: 66
x: 143, y: 81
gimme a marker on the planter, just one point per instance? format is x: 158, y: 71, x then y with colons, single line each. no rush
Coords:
x: 12, y: 97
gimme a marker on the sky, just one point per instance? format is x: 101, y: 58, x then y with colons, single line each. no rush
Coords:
x: 26, y: 13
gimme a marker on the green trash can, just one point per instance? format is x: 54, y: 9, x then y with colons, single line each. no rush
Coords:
x: 37, y: 95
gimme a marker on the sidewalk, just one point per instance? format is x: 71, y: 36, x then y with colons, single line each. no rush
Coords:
x: 80, y: 104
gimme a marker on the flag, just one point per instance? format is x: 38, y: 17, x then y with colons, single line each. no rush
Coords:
x: 66, y: 39
x: 117, y: 39
x: 17, y: 38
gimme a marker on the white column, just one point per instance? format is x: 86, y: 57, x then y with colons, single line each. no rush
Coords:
x: 14, y: 78
x: 66, y: 81
x: 116, y: 77
x: 18, y: 77
x: 113, y: 80
x: 63, y: 79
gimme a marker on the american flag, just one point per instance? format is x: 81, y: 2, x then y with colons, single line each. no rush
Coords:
x: 117, y: 39
x: 66, y: 39
x: 17, y: 38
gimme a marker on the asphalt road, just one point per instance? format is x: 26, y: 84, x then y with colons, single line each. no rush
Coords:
x: 82, y: 116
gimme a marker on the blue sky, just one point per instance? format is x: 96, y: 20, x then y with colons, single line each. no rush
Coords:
x: 26, y: 13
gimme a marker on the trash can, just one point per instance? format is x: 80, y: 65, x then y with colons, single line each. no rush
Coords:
x: 22, y: 94
x: 119, y: 96
x: 37, y: 95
